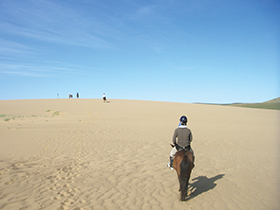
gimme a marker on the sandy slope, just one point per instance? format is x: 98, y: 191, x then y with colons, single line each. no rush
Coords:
x: 86, y: 154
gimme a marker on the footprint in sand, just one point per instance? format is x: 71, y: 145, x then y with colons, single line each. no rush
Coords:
x: 10, y: 182
x: 18, y: 164
x: 62, y: 207
x: 7, y: 169
x: 26, y: 175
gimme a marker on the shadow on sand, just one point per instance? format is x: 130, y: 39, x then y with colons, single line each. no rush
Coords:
x: 203, y: 184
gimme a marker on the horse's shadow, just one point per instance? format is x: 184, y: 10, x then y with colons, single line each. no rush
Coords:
x: 203, y: 184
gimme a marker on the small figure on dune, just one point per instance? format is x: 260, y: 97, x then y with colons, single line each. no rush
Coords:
x: 70, y: 95
x: 104, y: 98
x: 78, y: 95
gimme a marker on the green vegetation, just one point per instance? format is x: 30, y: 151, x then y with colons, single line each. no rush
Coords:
x: 55, y: 113
x: 271, y: 104
x: 7, y: 118
x: 275, y: 106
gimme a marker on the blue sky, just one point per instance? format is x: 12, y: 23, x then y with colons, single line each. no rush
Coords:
x: 219, y: 51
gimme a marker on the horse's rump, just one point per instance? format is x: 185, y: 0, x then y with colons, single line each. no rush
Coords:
x: 183, y: 164
x: 187, y: 156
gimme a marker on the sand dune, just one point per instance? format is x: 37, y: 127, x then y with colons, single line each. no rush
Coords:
x: 86, y: 154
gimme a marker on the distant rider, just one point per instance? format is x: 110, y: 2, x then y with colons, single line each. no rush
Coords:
x: 182, y: 139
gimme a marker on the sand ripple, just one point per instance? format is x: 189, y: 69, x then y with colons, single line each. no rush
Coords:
x: 113, y: 156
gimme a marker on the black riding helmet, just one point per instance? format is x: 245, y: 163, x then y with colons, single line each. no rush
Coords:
x: 183, y: 119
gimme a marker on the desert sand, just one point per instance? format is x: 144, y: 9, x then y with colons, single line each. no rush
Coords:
x: 86, y: 154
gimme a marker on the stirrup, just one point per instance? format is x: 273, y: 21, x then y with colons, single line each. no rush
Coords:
x: 170, y: 167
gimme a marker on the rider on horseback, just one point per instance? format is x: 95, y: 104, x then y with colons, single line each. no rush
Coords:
x: 184, y: 138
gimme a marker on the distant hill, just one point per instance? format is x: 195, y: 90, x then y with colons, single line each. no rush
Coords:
x: 276, y: 100
x: 271, y: 104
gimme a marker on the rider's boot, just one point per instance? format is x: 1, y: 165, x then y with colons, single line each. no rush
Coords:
x: 170, y: 165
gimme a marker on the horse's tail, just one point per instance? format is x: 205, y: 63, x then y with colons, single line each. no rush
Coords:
x: 185, y: 171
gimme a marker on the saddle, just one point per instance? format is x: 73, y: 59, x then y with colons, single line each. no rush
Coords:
x: 179, y: 148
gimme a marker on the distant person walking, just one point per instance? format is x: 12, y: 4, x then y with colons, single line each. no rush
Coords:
x: 104, y: 98
x: 78, y: 95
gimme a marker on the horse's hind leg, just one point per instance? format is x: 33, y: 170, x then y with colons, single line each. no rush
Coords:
x: 180, y: 186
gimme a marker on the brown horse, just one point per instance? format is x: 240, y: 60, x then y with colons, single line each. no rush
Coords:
x: 183, y: 164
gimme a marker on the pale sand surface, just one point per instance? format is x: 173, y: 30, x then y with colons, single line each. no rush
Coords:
x: 86, y: 154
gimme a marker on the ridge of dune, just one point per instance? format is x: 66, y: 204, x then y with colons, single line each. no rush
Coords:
x: 86, y: 154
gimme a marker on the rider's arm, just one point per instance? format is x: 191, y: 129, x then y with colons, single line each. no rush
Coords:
x: 190, y: 137
x: 174, y: 137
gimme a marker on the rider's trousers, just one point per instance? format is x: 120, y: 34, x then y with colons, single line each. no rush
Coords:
x: 174, y: 150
